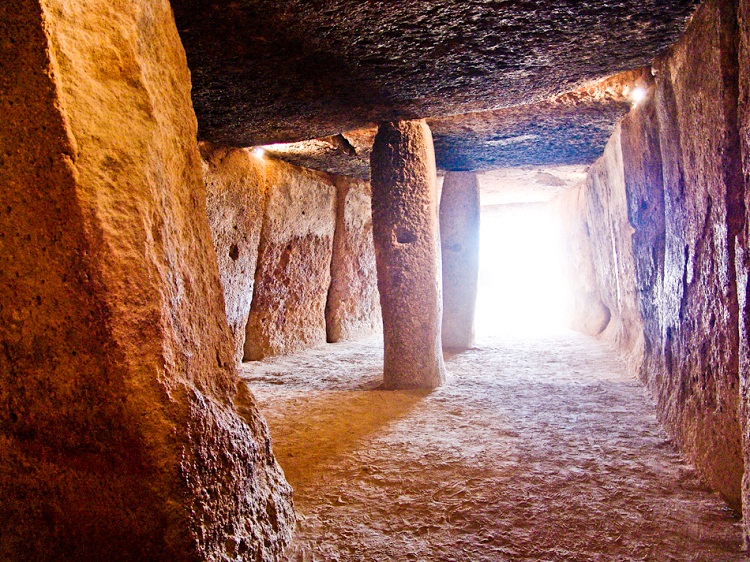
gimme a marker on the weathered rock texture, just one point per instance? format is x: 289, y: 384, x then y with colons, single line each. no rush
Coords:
x: 696, y: 104
x: 459, y: 239
x: 670, y: 188
x: 288, y: 245
x: 569, y: 128
x: 588, y: 313
x: 347, y: 154
x: 566, y: 129
x: 407, y: 251
x: 294, y: 262
x: 268, y: 71
x: 119, y: 434
x: 353, y: 307
x: 642, y: 174
x: 235, y: 202
x: 743, y: 259
x: 608, y: 225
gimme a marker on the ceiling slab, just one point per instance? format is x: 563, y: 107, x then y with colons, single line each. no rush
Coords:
x: 266, y: 71
x: 568, y: 129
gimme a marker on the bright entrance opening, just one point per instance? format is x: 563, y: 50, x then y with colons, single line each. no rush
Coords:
x: 523, y: 287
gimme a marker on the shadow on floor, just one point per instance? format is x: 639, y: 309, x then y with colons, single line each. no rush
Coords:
x: 333, y: 424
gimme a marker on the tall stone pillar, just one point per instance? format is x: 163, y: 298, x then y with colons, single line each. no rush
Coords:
x: 407, y: 252
x: 459, y: 238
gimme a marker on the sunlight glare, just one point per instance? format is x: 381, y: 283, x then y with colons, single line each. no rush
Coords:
x: 522, y: 285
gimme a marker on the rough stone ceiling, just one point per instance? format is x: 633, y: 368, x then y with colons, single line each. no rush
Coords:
x: 266, y: 71
x: 568, y: 129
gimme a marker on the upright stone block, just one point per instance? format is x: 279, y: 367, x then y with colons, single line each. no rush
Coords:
x: 122, y: 432
x: 611, y: 234
x: 235, y: 202
x: 696, y: 104
x: 459, y: 239
x: 644, y: 188
x: 294, y: 263
x: 743, y: 261
x: 588, y: 313
x: 407, y: 251
x: 353, y: 307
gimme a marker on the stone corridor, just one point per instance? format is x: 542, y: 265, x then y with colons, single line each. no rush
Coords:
x: 535, y: 449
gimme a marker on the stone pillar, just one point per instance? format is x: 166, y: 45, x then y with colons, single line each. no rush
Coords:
x: 353, y: 307
x: 125, y: 433
x: 407, y: 252
x: 459, y: 238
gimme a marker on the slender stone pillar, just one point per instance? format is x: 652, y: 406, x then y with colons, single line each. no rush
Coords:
x: 459, y: 236
x: 407, y: 252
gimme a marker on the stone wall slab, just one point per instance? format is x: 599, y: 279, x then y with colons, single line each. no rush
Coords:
x: 294, y: 262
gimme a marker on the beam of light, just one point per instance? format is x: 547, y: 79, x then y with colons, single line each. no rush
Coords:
x: 259, y: 151
x: 523, y: 289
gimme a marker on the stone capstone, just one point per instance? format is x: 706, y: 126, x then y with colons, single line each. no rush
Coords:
x: 567, y: 129
x: 336, y: 155
x: 268, y: 71
x: 407, y: 251
x: 123, y: 432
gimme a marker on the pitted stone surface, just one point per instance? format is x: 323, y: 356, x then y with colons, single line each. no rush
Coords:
x: 665, y: 212
x: 644, y: 188
x: 407, y: 250
x: 743, y: 259
x: 696, y: 105
x: 268, y: 71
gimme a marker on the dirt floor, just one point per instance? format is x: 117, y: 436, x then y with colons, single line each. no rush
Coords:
x: 542, y: 449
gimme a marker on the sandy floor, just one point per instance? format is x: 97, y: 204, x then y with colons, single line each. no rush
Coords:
x: 533, y: 450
